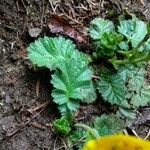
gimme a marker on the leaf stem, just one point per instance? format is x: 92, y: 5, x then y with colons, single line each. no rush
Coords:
x: 145, y: 57
x: 135, y: 50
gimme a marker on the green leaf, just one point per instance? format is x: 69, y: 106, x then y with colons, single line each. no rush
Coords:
x: 50, y: 52
x: 137, y: 81
x: 126, y: 72
x: 123, y: 46
x: 72, y: 84
x: 62, y: 126
x: 133, y: 75
x: 89, y: 135
x: 100, y: 26
x: 76, y: 139
x: 142, y: 97
x: 76, y: 136
x: 127, y: 28
x: 108, y: 124
x: 138, y: 91
x: 108, y: 44
x: 112, y: 89
x: 134, y: 30
x: 127, y: 114
x: 110, y: 40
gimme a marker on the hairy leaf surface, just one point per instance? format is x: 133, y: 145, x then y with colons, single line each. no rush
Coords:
x: 50, y: 52
x: 72, y: 84
x: 127, y: 114
x: 113, y: 89
x: 142, y: 96
x: 133, y: 75
x: 138, y: 91
x: 100, y: 26
x: 109, y: 125
x: 134, y: 30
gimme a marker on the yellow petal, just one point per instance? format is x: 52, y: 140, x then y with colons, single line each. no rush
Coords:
x: 117, y: 142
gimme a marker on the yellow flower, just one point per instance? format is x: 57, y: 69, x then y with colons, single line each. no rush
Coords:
x: 117, y: 142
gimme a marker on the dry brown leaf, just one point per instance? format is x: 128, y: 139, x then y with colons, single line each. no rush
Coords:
x: 58, y: 24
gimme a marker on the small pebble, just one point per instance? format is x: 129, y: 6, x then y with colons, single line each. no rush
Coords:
x: 34, y: 32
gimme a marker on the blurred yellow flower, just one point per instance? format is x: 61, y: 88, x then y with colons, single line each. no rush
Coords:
x: 117, y: 142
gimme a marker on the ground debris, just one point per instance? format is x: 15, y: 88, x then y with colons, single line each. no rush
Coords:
x: 20, y: 129
x: 58, y: 24
x: 37, y: 125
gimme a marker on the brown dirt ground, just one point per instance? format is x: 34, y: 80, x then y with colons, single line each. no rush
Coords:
x: 23, y: 88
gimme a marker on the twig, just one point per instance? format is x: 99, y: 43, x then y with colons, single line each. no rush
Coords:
x: 92, y: 2
x: 36, y: 125
x: 24, y: 6
x: 80, y: 140
x: 61, y: 148
x: 147, y: 136
x: 142, y: 2
x: 95, y: 77
x: 37, y: 87
x: 71, y: 18
x: 125, y: 132
x: 55, y: 143
x: 17, y: 6
x: 134, y: 132
x: 43, y: 105
x: 51, y: 4
x: 42, y: 15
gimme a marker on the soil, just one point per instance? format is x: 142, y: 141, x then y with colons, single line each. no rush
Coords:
x: 26, y: 108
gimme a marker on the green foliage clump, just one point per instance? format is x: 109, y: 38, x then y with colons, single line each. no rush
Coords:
x: 109, y: 124
x: 125, y: 49
x: 62, y: 126
x: 72, y: 77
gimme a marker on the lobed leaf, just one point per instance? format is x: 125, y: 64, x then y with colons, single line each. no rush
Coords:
x: 108, y: 125
x: 133, y: 75
x: 138, y: 91
x: 50, y: 52
x: 142, y: 97
x: 134, y: 30
x: 112, y: 89
x: 100, y: 26
x: 127, y: 114
x: 72, y: 84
